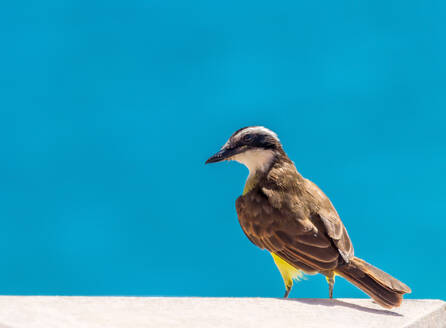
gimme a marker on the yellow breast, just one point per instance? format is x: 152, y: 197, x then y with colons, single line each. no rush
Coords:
x: 287, y: 271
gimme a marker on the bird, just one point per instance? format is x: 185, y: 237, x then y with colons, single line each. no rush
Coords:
x: 289, y: 216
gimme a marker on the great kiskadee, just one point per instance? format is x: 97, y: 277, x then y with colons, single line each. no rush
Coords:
x: 291, y: 217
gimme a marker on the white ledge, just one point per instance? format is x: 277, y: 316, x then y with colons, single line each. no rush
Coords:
x: 135, y: 312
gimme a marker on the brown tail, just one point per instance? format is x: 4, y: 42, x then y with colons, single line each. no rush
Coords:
x: 382, y: 287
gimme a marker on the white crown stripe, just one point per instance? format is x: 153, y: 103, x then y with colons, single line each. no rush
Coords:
x: 256, y: 130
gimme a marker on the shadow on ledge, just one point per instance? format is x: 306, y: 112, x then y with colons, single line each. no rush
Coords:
x: 335, y: 302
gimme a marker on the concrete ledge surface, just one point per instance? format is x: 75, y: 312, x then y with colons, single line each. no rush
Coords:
x: 135, y: 312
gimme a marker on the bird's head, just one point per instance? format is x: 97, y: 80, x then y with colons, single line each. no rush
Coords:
x: 254, y: 146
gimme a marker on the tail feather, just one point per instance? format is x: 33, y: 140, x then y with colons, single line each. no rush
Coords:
x: 382, y: 287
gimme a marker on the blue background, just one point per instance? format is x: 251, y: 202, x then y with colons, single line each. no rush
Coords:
x: 108, y: 110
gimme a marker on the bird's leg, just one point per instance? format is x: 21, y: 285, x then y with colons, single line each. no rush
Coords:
x: 330, y: 287
x: 331, y: 280
x: 288, y: 286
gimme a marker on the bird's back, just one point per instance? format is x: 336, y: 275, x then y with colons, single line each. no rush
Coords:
x: 282, y: 214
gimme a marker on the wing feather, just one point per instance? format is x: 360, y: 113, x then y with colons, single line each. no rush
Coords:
x: 291, y: 217
x: 305, y: 248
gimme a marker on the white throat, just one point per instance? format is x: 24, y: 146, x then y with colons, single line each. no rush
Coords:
x: 256, y: 160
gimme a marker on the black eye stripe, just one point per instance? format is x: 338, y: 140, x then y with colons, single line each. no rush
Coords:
x: 247, y: 137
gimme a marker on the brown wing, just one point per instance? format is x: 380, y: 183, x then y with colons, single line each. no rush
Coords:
x: 288, y: 231
x: 330, y: 218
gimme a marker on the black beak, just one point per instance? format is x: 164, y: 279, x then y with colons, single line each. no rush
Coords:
x: 222, y: 155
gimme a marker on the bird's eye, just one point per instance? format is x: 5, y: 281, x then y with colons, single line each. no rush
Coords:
x: 247, y: 137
